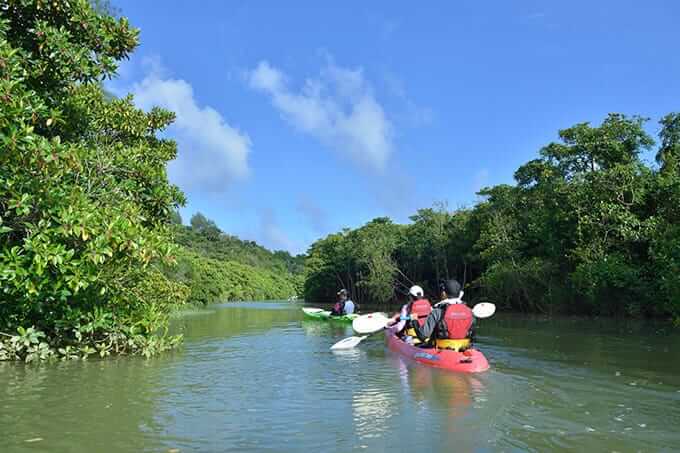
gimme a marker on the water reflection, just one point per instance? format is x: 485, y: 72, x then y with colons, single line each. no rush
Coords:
x: 443, y: 391
x: 349, y: 355
x: 80, y: 406
x: 326, y: 329
x: 372, y: 408
x: 232, y: 320
x: 257, y: 377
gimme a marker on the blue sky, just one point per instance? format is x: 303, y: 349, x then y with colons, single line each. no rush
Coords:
x: 296, y: 119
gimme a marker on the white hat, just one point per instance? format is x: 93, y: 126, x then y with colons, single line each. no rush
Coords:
x: 416, y: 291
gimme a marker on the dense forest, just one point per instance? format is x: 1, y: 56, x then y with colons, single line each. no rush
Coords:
x: 219, y: 267
x: 205, y: 237
x: 88, y: 218
x: 588, y: 228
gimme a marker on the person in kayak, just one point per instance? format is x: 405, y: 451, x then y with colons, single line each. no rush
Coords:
x: 449, y: 326
x: 417, y: 308
x: 344, y: 305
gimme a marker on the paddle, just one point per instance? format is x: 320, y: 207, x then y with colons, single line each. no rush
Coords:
x: 370, y: 323
x: 484, y: 310
x: 348, y: 343
x: 375, y: 322
x: 312, y: 310
x: 366, y: 324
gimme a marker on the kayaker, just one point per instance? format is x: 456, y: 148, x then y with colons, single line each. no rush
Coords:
x: 417, y: 308
x: 344, y: 305
x: 449, y: 326
x: 350, y: 307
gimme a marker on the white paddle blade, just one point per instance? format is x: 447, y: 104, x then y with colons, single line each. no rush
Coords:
x: 347, y: 343
x: 370, y: 323
x: 312, y: 310
x: 484, y: 310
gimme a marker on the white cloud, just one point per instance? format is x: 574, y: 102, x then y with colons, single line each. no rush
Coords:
x: 212, y: 153
x: 338, y: 108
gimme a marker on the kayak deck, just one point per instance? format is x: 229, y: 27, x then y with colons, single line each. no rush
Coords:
x: 317, y: 313
x: 469, y: 361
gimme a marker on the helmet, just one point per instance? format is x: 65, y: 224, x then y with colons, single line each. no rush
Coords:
x: 416, y: 291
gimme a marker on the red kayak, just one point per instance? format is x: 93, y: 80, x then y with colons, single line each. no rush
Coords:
x: 469, y: 361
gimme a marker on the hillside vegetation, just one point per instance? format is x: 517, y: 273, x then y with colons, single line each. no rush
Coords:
x: 218, y: 267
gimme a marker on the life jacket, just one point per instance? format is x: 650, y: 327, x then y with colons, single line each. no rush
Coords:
x: 456, y: 323
x: 422, y: 308
x: 338, y: 309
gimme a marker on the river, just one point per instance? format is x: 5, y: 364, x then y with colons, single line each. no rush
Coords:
x: 254, y: 377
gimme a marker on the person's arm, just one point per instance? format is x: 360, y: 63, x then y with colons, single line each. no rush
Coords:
x: 393, y: 320
x: 425, y: 331
x: 397, y: 316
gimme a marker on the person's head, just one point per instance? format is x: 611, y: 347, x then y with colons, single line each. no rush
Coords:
x: 449, y: 289
x: 416, y: 292
x: 342, y: 295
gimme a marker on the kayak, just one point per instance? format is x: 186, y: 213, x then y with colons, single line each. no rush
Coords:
x: 469, y: 361
x: 317, y: 313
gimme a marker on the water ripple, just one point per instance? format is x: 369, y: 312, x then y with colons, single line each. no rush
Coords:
x: 256, y: 377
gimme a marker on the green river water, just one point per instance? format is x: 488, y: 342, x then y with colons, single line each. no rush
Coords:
x: 256, y: 377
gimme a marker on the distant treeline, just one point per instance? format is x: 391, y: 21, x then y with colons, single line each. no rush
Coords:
x: 203, y: 236
x: 588, y: 228
x: 218, y: 267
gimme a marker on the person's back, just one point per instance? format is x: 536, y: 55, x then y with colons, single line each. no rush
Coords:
x: 449, y: 326
x: 455, y: 326
x: 349, y: 307
x: 418, y: 308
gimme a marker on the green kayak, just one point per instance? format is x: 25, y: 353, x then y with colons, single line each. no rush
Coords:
x: 318, y: 313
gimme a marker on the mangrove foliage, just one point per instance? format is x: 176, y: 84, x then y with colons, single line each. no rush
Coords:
x: 589, y: 227
x: 88, y: 262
